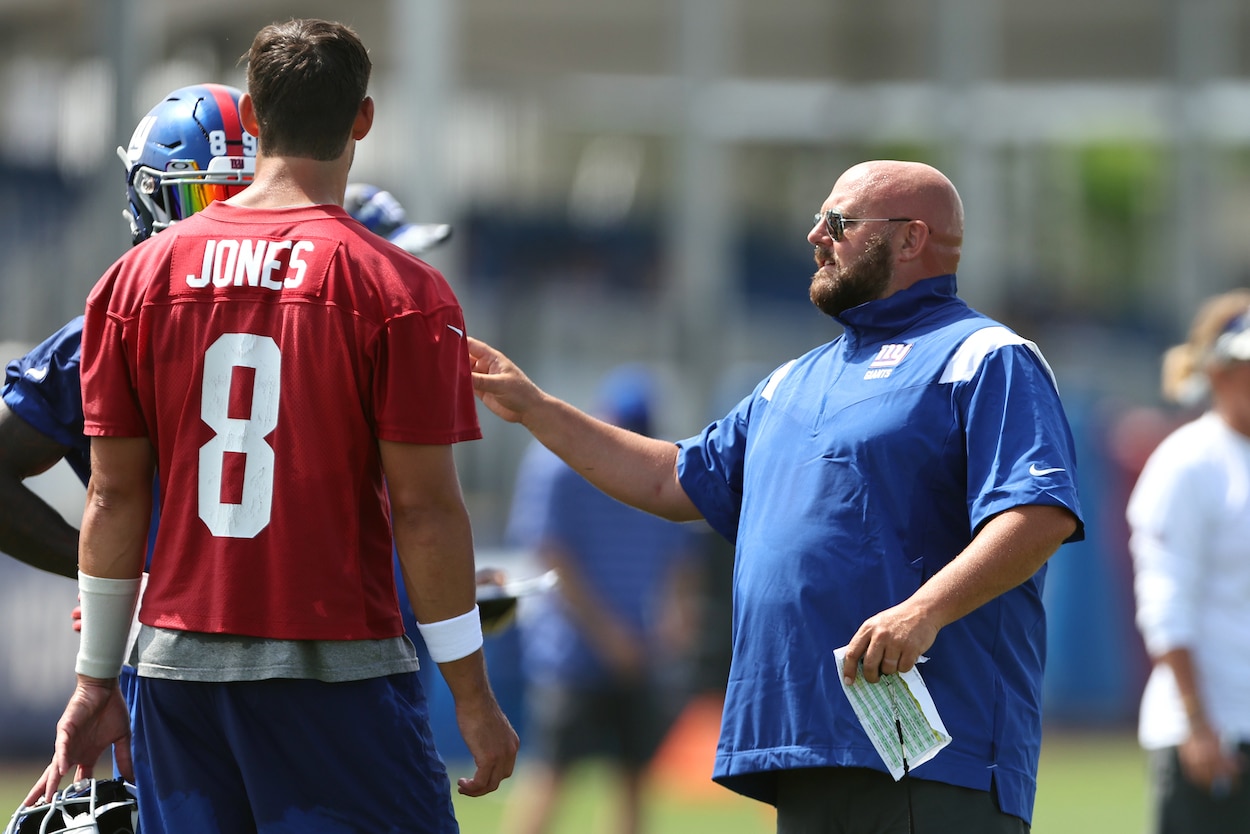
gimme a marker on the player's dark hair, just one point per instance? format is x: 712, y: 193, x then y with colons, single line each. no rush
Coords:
x: 307, y: 79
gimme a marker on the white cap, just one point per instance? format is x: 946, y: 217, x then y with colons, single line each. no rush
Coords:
x: 1234, y: 343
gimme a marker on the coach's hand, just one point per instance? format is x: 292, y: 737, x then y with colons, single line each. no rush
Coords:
x: 889, y: 643
x: 501, y: 385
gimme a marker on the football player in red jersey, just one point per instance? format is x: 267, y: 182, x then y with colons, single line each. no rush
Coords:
x: 284, y: 368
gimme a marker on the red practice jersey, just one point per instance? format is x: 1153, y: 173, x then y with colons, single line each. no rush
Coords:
x: 264, y: 353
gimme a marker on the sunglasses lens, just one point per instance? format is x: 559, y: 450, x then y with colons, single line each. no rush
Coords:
x: 833, y: 223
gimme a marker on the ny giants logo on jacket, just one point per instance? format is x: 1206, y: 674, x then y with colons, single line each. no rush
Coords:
x: 888, y: 358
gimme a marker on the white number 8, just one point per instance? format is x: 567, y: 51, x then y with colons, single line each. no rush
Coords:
x: 242, y: 436
x: 217, y: 142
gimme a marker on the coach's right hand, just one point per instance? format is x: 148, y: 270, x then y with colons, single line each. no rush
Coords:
x: 500, y: 384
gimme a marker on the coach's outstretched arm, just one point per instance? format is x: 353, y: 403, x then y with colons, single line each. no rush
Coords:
x: 634, y: 469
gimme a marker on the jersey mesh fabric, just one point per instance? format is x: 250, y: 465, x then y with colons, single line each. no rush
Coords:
x: 264, y: 353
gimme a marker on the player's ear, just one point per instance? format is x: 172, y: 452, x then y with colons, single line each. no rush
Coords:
x: 364, y: 119
x: 247, y: 115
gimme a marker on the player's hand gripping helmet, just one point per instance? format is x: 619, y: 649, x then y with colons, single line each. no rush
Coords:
x: 189, y: 150
x: 89, y: 806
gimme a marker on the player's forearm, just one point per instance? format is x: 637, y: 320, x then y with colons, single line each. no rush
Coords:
x: 634, y: 469
x: 118, y: 511
x: 468, y: 681
x: 114, y: 535
x: 435, y: 547
x: 33, y: 532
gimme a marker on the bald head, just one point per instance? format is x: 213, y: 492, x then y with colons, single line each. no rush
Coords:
x: 893, y: 188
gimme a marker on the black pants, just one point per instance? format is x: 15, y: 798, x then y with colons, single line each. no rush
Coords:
x: 1181, y: 807
x: 853, y: 800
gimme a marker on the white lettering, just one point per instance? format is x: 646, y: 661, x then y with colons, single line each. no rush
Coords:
x: 251, y: 255
x: 201, y: 280
x: 252, y: 263
x: 878, y: 373
x: 276, y: 247
x: 223, y: 273
x: 298, y: 266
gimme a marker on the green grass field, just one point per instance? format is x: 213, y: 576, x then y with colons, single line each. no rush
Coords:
x: 1090, y: 783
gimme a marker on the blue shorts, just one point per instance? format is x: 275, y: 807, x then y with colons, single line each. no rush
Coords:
x: 128, y: 679
x: 279, y: 756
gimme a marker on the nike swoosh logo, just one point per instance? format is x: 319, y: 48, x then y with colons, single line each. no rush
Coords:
x: 456, y: 330
x: 1034, y: 471
x: 37, y: 374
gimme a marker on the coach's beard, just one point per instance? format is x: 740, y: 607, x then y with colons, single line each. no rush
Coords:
x: 836, y: 288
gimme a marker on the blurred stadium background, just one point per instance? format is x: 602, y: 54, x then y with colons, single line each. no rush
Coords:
x: 635, y: 181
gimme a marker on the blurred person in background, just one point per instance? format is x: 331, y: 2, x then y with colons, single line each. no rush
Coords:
x: 897, y: 491
x: 603, y: 657
x: 259, y: 620
x: 1189, y: 515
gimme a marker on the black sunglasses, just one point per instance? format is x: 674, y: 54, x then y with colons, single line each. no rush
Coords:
x: 835, y: 223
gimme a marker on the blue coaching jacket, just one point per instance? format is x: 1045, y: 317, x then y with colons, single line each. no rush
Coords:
x: 846, y: 479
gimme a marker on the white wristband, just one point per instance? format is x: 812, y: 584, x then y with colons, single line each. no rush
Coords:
x: 453, y: 639
x: 107, y: 608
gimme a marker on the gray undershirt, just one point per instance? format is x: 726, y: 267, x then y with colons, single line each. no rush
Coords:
x: 217, y: 658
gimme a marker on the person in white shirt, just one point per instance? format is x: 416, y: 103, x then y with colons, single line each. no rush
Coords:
x: 1189, y: 515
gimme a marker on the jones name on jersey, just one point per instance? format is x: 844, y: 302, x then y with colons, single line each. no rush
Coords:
x: 270, y: 264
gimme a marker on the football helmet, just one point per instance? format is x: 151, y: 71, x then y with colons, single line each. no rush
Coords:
x: 189, y: 150
x: 383, y: 215
x: 89, y: 806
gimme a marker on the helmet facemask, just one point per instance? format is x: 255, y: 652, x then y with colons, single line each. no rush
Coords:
x: 89, y: 806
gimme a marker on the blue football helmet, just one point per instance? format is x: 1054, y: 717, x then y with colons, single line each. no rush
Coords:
x: 89, y: 806
x: 189, y: 150
x: 383, y: 215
